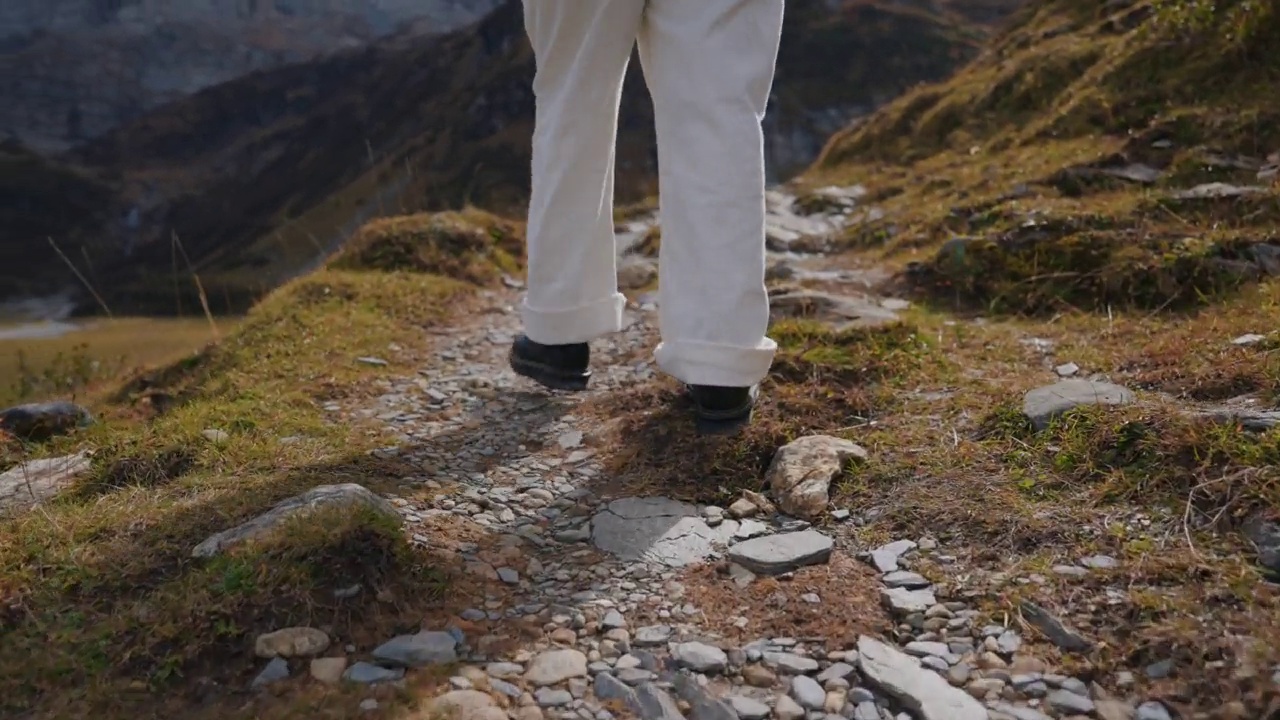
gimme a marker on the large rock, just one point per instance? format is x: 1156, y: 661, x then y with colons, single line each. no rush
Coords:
x: 777, y: 554
x: 1043, y: 405
x: 325, y: 496
x: 921, y: 691
x: 41, y: 421
x: 801, y: 472
x: 659, y: 530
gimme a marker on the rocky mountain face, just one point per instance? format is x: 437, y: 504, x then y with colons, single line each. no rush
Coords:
x: 71, y: 70
x: 257, y: 179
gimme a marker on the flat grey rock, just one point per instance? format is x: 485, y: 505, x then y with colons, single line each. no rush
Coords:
x: 420, y: 650
x: 652, y: 635
x: 324, y: 496
x: 1069, y: 703
x: 657, y: 529
x: 1152, y: 710
x: 1045, y: 404
x: 41, y: 421
x: 777, y: 554
x: 368, y: 674
x: 921, y: 691
x: 30, y: 483
x: 905, y: 579
x: 885, y: 557
x: 905, y: 602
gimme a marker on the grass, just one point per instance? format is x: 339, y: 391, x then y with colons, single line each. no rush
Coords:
x: 101, y: 352
x: 1002, y: 221
x: 103, y: 610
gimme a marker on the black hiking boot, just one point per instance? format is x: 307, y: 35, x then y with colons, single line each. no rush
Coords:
x: 723, y: 410
x: 559, y: 367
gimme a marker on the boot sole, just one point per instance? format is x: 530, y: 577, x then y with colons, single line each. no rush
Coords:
x: 725, y: 422
x: 549, y: 377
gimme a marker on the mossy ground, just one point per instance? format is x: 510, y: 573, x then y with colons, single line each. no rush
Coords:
x: 104, y: 612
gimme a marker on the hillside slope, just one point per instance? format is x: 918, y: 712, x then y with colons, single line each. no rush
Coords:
x: 1098, y: 154
x: 254, y: 175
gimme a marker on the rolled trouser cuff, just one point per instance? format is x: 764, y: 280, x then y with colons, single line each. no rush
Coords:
x: 700, y: 363
x: 574, y: 325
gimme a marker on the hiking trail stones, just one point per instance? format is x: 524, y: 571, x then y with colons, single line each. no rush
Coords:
x: 422, y: 649
x: 344, y: 495
x: 1045, y: 404
x: 801, y: 472
x: 777, y: 554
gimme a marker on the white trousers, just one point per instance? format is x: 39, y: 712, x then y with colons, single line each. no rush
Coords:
x: 709, y: 65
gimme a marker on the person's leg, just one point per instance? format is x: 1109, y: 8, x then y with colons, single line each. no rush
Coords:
x: 582, y: 48
x: 709, y: 65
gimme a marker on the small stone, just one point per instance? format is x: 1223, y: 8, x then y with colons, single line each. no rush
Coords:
x: 1009, y: 642
x: 759, y: 676
x: 275, y: 671
x: 653, y: 635
x: 1159, y: 670
x: 747, y: 708
x: 808, y: 692
x: 906, y: 602
x: 291, y: 642
x: 613, y: 620
x: 608, y: 687
x: 701, y: 657
x: 1067, y: 370
x: 469, y: 704
x: 546, y: 697
x: 1054, y: 629
x: 1045, y: 404
x: 1067, y: 702
x: 905, y: 579
x: 885, y: 557
x: 743, y: 508
x: 1100, y: 562
x: 920, y: 690
x: 787, y: 709
x: 555, y: 666
x: 791, y: 663
x: 216, y: 436
x: 837, y: 670
x: 1249, y: 339
x: 508, y: 576
x: 368, y: 705
x: 328, y: 670
x: 563, y: 636
x: 368, y: 674
x: 504, y: 670
x: 422, y: 649
x: 1152, y: 710
x: 782, y: 553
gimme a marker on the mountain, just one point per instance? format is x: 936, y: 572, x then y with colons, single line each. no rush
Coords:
x: 260, y: 177
x: 74, y: 69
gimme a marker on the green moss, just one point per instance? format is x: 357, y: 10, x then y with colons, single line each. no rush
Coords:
x: 473, y: 246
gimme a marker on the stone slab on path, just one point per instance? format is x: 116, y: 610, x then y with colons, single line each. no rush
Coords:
x: 922, y: 691
x: 783, y: 553
x: 658, y: 529
x: 1043, y: 405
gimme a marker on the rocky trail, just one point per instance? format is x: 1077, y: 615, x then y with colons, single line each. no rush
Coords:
x: 589, y: 596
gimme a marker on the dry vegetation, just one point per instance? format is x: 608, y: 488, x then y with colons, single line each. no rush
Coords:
x: 103, y: 611
x: 1057, y: 261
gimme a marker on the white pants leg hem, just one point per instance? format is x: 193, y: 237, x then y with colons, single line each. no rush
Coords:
x: 574, y: 325
x: 700, y: 363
